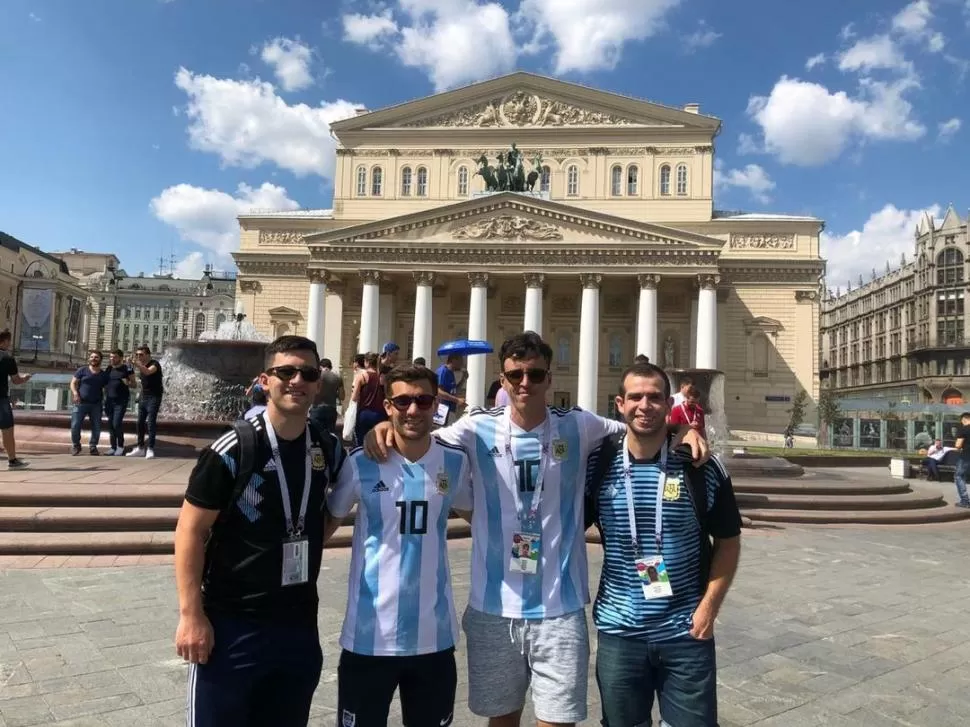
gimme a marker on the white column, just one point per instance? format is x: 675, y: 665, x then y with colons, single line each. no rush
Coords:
x: 333, y: 327
x: 316, y: 308
x: 533, y: 302
x: 589, y: 342
x: 387, y: 317
x: 707, y: 322
x: 423, y: 320
x: 647, y: 317
x: 477, y: 322
x: 369, y: 312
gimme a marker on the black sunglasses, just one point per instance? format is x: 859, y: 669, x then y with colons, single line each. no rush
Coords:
x: 536, y: 376
x: 403, y: 402
x: 309, y: 373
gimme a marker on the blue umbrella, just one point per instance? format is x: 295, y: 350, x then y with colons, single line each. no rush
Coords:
x: 464, y: 347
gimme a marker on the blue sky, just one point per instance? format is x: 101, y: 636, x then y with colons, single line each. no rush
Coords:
x: 142, y: 127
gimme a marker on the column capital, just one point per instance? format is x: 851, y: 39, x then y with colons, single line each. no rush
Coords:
x: 372, y: 277
x: 317, y: 275
x: 424, y: 277
x: 534, y: 280
x: 478, y: 280
x: 590, y: 280
x: 708, y: 282
x: 648, y: 280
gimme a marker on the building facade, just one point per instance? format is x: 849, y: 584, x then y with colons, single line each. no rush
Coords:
x: 42, y: 305
x: 616, y: 250
x: 903, y: 336
x: 126, y: 312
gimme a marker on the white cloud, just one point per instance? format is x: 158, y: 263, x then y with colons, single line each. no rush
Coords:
x: 879, y: 51
x: 589, y: 35
x: 703, y: 37
x: 207, y: 217
x: 805, y: 124
x: 36, y: 18
x: 290, y: 60
x: 370, y: 30
x: 885, y: 236
x: 752, y: 177
x: 913, y: 23
x: 246, y: 123
x: 815, y: 60
x: 191, y: 266
x: 948, y: 128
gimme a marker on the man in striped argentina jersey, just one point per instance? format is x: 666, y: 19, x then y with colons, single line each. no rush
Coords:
x: 661, y: 587
x: 526, y: 623
x: 400, y: 628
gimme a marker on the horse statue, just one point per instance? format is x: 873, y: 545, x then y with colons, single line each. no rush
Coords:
x: 487, y: 173
x: 502, y: 174
x: 515, y: 168
x: 530, y: 181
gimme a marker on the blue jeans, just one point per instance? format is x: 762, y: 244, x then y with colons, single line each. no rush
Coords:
x: 963, y: 467
x: 258, y: 675
x: 147, y: 417
x: 91, y: 411
x: 682, y: 672
x: 115, y: 409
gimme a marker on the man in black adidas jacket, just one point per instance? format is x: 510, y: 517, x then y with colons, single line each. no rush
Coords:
x: 663, y: 579
x: 248, y: 547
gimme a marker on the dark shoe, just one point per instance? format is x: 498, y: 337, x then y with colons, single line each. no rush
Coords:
x: 16, y: 464
x: 963, y: 504
x: 95, y: 452
x: 75, y: 450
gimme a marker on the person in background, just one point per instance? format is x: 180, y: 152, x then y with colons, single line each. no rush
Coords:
x: 8, y: 373
x: 681, y: 395
x: 324, y: 411
x: 448, y: 384
x: 502, y: 399
x: 117, y: 395
x: 369, y: 395
x: 492, y: 393
x: 689, y: 411
x: 259, y: 404
x: 255, y: 388
x: 963, y: 464
x: 389, y: 356
x: 151, y: 400
x: 87, y: 392
x: 934, y: 455
x: 420, y: 361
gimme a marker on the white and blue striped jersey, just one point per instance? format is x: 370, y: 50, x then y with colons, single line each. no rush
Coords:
x: 399, y: 600
x: 561, y: 584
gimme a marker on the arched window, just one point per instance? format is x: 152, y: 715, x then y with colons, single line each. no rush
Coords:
x: 682, y: 180
x: 220, y: 319
x: 376, y: 181
x: 199, y: 325
x: 633, y: 180
x: 665, y: 181
x: 949, y: 267
x: 572, y: 181
x: 361, y: 182
x: 406, y: 182
x: 462, y: 181
x: 422, y: 182
x: 545, y: 179
x: 616, y: 181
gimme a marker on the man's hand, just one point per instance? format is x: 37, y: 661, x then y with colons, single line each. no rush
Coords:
x: 76, y: 398
x: 194, y: 638
x: 702, y: 627
x: 700, y: 451
x: 378, y: 442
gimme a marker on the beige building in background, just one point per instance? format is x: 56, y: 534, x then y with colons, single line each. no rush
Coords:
x: 617, y: 251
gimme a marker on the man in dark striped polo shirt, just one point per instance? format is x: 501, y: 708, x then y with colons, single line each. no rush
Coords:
x: 665, y: 574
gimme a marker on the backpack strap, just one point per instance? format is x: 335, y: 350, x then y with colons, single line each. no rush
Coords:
x: 696, y: 483
x: 594, y: 480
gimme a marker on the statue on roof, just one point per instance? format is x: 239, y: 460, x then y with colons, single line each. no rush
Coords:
x: 508, y: 175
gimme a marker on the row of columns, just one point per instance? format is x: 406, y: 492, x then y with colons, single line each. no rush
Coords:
x: 589, y: 325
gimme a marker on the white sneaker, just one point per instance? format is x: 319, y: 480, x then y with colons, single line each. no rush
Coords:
x: 149, y: 454
x: 119, y: 452
x: 136, y: 452
x: 109, y: 453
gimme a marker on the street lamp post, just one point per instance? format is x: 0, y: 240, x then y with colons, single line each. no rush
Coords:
x: 37, y: 340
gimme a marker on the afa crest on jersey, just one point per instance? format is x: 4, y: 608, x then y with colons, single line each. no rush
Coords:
x: 672, y: 489
x: 317, y: 459
x: 559, y: 449
x: 442, y: 483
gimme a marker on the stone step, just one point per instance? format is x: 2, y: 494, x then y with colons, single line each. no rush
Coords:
x: 919, y: 516
x: 809, y: 486
x: 141, y: 543
x: 860, y: 503
x: 90, y: 495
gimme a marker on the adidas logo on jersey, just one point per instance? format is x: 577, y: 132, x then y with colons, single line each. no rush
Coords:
x: 494, y: 451
x: 380, y: 487
x: 270, y: 465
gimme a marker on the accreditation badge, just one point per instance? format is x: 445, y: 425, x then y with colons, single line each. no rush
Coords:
x: 316, y: 458
x: 559, y: 449
x: 526, y: 548
x: 296, y: 561
x: 442, y: 483
x: 652, y: 573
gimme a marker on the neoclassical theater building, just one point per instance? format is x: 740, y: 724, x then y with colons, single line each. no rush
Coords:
x: 616, y: 250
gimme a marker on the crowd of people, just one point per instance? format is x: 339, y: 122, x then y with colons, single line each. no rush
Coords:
x: 263, y: 499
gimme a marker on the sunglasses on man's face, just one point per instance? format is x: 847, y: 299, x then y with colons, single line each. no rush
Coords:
x: 403, y: 402
x: 285, y: 373
x: 515, y: 376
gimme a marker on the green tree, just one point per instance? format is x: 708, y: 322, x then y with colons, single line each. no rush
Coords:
x: 796, y: 415
x: 828, y: 413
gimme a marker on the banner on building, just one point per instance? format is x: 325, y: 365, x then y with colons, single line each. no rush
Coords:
x: 74, y: 320
x: 36, y: 310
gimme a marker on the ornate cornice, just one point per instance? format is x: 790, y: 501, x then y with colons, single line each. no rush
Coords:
x: 559, y: 154
x: 590, y: 280
x: 648, y: 280
x: 671, y: 150
x: 423, y: 278
x: 534, y: 280
x: 765, y: 241
x: 806, y: 273
x: 508, y: 227
x: 263, y: 265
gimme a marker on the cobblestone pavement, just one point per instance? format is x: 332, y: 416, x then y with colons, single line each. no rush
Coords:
x: 823, y: 627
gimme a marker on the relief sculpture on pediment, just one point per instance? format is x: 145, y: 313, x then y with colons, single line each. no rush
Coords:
x: 508, y: 227
x: 280, y: 237
x: 522, y: 109
x: 762, y: 242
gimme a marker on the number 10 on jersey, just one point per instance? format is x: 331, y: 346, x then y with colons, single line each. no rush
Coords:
x: 414, y: 516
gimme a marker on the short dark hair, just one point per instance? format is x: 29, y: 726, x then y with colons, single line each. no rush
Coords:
x: 646, y: 370
x: 419, y: 361
x: 965, y: 415
x: 117, y: 352
x: 359, y: 360
x: 144, y: 349
x: 685, y: 381
x: 525, y: 345
x: 97, y: 351
x: 411, y: 374
x: 259, y: 396
x: 371, y: 359
x: 288, y: 344
x: 326, y: 363
x: 5, y: 335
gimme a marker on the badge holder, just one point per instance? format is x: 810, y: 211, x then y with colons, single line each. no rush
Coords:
x: 526, y: 551
x: 651, y: 570
x: 296, y: 560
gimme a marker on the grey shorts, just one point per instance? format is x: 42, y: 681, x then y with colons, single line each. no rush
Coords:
x: 506, y: 655
x: 6, y: 414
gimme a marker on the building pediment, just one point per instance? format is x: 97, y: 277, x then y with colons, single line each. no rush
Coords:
x: 283, y: 312
x: 525, y: 100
